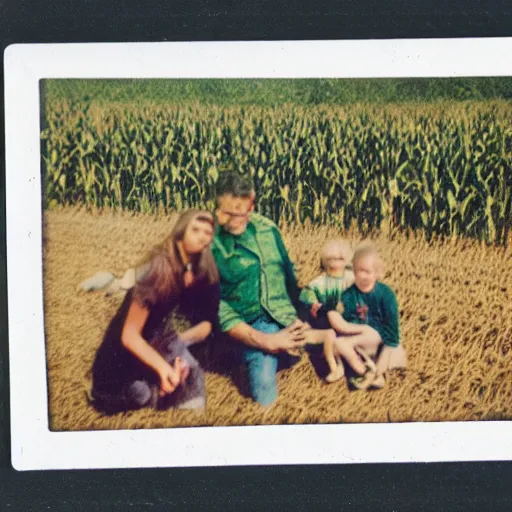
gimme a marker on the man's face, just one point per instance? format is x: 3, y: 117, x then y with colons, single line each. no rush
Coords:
x: 233, y: 213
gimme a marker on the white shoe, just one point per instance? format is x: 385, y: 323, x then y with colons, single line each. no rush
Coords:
x: 97, y: 282
x: 128, y: 280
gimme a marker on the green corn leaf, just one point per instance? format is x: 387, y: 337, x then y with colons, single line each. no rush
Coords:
x: 452, y: 202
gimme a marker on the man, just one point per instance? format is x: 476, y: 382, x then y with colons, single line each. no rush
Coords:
x: 258, y: 286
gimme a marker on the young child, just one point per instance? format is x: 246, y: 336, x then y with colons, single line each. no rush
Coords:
x: 322, y: 298
x: 372, y: 306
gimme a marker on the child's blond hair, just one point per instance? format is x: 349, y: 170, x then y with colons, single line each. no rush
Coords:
x: 336, y: 247
x: 367, y: 249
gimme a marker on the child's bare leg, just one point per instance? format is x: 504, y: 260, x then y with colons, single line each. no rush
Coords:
x: 336, y: 321
x: 383, y: 363
x: 383, y: 360
x: 335, y: 367
x: 369, y: 340
x: 318, y: 336
x: 329, y: 353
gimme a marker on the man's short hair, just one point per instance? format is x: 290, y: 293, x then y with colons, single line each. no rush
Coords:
x: 235, y: 184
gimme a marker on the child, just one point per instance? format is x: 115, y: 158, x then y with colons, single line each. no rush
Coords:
x: 372, y: 306
x: 322, y: 298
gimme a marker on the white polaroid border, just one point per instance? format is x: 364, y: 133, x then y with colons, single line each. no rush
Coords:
x: 33, y: 445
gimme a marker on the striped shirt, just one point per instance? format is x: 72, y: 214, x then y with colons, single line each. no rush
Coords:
x: 327, y: 290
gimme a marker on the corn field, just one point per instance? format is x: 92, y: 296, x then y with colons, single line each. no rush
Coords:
x: 455, y: 321
x: 445, y: 168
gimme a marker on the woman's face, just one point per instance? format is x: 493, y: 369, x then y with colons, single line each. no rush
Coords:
x: 198, y: 236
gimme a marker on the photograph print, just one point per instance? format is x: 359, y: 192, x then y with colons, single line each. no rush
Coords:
x: 235, y: 252
x: 259, y: 253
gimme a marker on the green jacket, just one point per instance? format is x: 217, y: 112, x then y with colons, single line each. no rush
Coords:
x: 256, y: 275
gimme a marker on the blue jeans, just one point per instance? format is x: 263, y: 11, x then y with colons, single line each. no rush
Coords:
x: 262, y: 367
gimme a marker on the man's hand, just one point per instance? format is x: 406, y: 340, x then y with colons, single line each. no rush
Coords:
x: 288, y: 339
x: 315, y: 308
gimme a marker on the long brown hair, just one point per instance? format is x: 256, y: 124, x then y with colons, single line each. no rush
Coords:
x: 163, y: 268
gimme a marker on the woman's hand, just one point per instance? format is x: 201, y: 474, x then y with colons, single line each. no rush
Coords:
x: 169, y: 379
x: 182, y: 368
x: 171, y: 376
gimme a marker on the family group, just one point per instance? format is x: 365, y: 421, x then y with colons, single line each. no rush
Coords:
x: 230, y: 273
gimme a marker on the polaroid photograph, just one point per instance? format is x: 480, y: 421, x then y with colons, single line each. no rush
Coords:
x: 254, y: 253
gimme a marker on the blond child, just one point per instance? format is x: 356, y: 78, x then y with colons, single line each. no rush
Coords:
x: 322, y: 298
x: 371, y: 307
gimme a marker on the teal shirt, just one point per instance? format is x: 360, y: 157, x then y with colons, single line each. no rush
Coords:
x: 378, y: 309
x: 256, y: 275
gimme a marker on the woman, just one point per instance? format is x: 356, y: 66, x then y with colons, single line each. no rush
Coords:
x: 140, y: 363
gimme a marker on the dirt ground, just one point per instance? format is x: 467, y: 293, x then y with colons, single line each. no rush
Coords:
x: 456, y: 324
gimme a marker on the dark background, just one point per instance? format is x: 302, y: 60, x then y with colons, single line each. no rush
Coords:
x: 447, y: 486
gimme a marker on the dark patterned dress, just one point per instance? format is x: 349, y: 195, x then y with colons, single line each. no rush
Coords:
x: 122, y: 382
